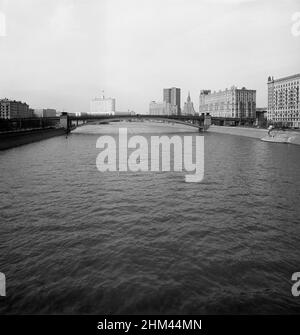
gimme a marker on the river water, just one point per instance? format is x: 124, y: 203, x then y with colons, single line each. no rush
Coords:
x: 75, y: 240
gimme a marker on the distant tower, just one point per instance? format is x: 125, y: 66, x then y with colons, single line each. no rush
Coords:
x: 172, y: 96
x: 188, y: 108
x: 188, y: 98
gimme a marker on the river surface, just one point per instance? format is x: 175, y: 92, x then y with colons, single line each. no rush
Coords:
x: 76, y: 240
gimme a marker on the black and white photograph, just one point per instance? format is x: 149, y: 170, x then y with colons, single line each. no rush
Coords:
x: 149, y: 161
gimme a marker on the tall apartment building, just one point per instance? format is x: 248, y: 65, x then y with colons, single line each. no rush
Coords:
x: 102, y: 105
x: 12, y: 109
x: 283, y: 100
x: 172, y: 96
x: 233, y: 102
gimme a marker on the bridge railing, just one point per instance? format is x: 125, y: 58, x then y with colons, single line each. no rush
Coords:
x: 136, y: 116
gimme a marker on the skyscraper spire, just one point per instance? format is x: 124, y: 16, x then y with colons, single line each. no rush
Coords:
x: 189, y: 97
x: 188, y: 106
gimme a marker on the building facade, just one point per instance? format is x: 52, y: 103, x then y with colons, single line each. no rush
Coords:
x: 230, y: 103
x: 48, y: 112
x: 162, y: 108
x: 188, y: 108
x: 102, y: 105
x: 157, y: 108
x: 172, y: 96
x: 261, y: 117
x: 12, y: 109
x: 283, y: 101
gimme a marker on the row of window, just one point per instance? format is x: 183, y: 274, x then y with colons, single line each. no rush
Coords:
x: 294, y: 83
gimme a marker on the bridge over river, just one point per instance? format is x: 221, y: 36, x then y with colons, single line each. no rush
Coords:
x: 201, y: 122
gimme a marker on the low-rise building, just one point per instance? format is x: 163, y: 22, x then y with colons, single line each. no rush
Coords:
x: 48, y: 112
x: 78, y: 114
x: 162, y: 108
x: 261, y: 117
x: 12, y: 109
x: 31, y: 112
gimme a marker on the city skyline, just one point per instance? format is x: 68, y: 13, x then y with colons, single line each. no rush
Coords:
x: 74, y: 50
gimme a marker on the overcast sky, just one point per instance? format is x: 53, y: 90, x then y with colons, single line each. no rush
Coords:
x: 60, y: 54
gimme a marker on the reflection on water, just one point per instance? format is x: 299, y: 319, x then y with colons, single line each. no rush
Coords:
x: 74, y: 240
x: 134, y: 128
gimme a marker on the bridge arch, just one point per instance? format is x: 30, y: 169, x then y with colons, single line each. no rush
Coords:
x: 171, y: 121
x: 201, y: 122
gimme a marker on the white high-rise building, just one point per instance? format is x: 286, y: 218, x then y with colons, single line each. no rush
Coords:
x: 102, y: 105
